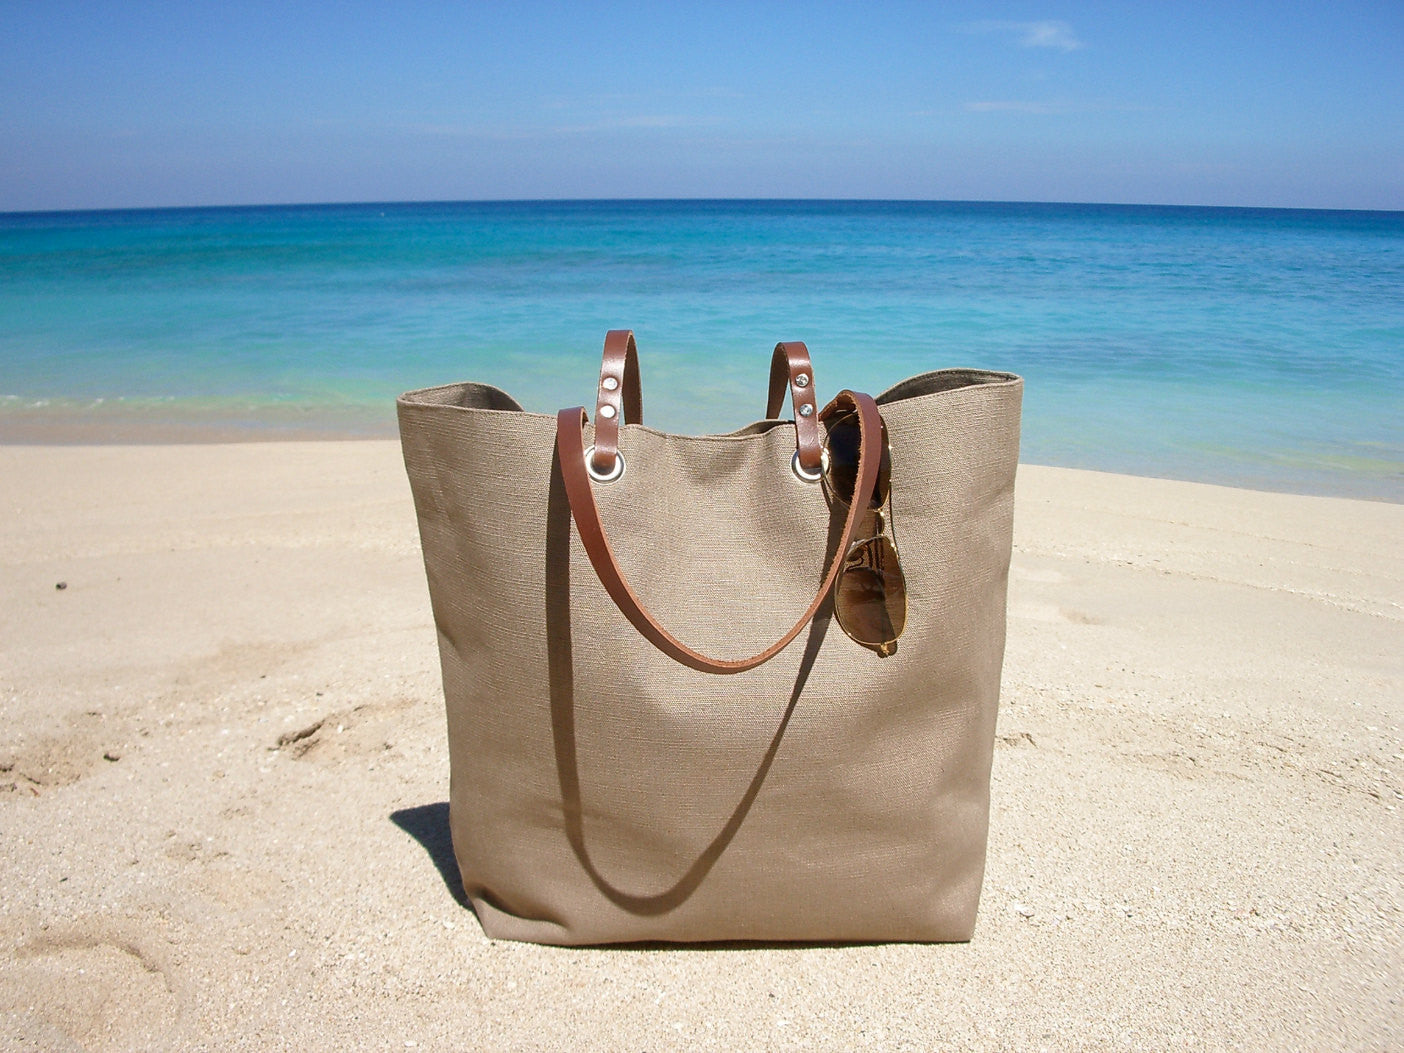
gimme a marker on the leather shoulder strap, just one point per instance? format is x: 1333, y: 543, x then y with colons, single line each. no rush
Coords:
x: 570, y: 451
x: 791, y: 369
x: 620, y: 396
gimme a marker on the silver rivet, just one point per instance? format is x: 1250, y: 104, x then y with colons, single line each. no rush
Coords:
x: 610, y: 384
x: 607, y: 412
x: 802, y: 380
x: 806, y: 410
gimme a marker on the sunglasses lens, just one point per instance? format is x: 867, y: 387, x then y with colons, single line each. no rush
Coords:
x: 870, y: 599
x: 842, y: 445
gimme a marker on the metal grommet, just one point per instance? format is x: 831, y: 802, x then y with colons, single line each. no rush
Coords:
x: 800, y: 472
x: 614, y: 473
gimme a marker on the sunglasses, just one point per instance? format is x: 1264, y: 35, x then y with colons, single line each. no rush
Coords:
x: 870, y: 596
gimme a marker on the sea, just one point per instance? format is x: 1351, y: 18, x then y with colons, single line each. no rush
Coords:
x: 1261, y: 348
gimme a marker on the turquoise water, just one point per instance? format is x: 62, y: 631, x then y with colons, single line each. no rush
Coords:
x: 1254, y: 347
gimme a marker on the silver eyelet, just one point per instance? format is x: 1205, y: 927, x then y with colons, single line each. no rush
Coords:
x: 801, y: 474
x: 610, y: 476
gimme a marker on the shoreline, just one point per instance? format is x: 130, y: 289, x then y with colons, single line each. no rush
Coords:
x: 100, y: 422
x: 68, y: 432
x: 224, y: 777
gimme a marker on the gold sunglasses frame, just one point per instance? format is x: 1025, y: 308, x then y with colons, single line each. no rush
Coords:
x: 868, y: 554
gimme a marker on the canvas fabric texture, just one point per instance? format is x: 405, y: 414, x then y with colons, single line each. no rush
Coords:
x: 601, y: 792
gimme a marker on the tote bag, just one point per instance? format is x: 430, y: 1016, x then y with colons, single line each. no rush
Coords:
x: 605, y: 787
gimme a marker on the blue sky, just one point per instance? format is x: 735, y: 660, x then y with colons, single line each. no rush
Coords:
x: 106, y: 105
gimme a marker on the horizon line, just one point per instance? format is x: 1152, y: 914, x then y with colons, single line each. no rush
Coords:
x: 681, y: 200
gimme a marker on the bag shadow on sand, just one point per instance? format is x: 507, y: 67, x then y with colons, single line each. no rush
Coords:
x: 429, y: 825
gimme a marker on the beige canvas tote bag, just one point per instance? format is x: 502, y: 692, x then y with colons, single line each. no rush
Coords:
x: 660, y: 728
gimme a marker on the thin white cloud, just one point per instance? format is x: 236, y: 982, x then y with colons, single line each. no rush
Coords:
x: 666, y: 120
x: 1051, y: 106
x: 641, y: 120
x: 644, y: 121
x: 1016, y: 106
x: 607, y: 101
x: 1048, y: 33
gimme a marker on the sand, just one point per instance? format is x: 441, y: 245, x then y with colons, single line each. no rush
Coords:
x: 223, y: 777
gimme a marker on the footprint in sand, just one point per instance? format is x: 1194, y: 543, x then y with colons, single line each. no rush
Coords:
x: 93, y: 988
x: 1051, y: 612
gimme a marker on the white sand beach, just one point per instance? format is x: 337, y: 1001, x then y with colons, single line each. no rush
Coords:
x: 224, y: 776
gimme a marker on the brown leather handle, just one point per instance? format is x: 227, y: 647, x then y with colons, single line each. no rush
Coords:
x: 792, y: 369
x: 570, y: 452
x: 620, y: 397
